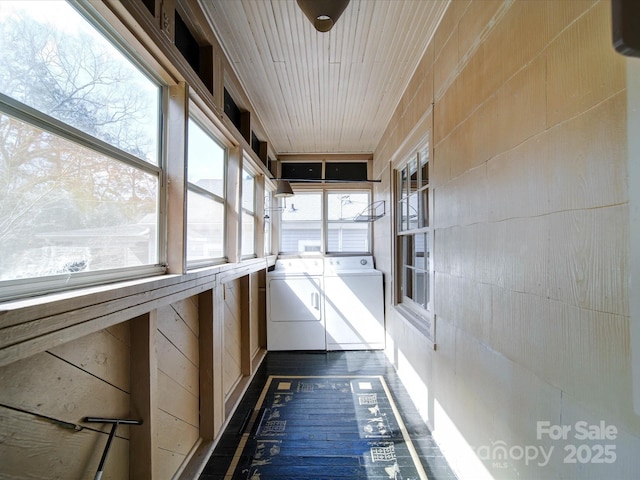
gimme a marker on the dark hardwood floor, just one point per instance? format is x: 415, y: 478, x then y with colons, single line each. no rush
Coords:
x: 353, y: 363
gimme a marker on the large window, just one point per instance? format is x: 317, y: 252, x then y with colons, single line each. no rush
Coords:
x: 343, y: 233
x: 414, y: 232
x: 206, y: 162
x: 301, y: 225
x: 79, y: 152
x: 305, y: 229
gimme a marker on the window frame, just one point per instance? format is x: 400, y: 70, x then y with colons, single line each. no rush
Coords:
x: 324, y: 191
x: 251, y: 213
x: 208, y: 128
x: 420, y: 316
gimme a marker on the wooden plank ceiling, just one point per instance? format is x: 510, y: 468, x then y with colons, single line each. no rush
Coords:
x: 328, y: 92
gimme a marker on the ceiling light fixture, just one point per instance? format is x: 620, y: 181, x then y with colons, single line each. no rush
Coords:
x: 323, y: 14
x: 283, y: 189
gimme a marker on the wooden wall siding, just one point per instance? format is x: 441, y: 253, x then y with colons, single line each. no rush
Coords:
x: 178, y: 384
x: 531, y: 228
x: 232, y: 360
x: 88, y: 377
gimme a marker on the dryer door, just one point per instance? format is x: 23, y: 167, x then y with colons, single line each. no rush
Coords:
x: 294, y: 299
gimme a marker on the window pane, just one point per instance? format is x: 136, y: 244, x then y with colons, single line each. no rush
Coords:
x: 303, y: 207
x: 407, y: 250
x: 413, y: 175
x: 403, y: 183
x: 413, y: 211
x: 60, y: 65
x: 205, y: 228
x: 408, y: 282
x: 301, y: 227
x: 302, y: 237
x: 427, y: 268
x: 424, y: 208
x: 248, y: 234
x: 65, y: 208
x: 346, y: 205
x: 419, y: 288
x: 424, y: 167
x: 348, y: 237
x: 248, y: 189
x: 205, y: 160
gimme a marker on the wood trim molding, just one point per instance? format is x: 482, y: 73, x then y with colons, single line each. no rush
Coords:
x: 143, y: 388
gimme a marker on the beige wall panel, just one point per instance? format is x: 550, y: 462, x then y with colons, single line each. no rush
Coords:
x: 443, y: 251
x: 588, y: 262
x: 475, y: 23
x: 627, y: 443
x: 489, y: 238
x: 424, y: 95
x: 484, y: 376
x: 468, y: 145
x: 586, y: 158
x: 188, y: 310
x: 166, y: 463
x: 463, y: 200
x: 448, y: 110
x: 521, y: 332
x: 480, y: 77
x: 232, y: 359
x: 55, y: 452
x: 447, y: 306
x: 519, y: 37
x: 174, y: 399
x: 522, y: 256
x: 178, y: 333
x: 100, y: 354
x: 467, y: 305
x: 583, y: 68
x: 597, y: 366
x: 175, y: 365
x: 121, y: 332
x: 518, y: 181
x: 452, y: 16
x: 561, y: 13
x: 515, y: 113
x: 46, y: 385
x: 475, y: 317
x: 440, y: 168
x: 446, y: 64
x: 174, y: 435
x: 520, y: 108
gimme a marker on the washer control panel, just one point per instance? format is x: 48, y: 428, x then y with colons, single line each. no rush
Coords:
x: 348, y: 263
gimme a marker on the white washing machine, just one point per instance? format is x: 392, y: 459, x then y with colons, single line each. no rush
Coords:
x: 354, y: 304
x: 295, y: 319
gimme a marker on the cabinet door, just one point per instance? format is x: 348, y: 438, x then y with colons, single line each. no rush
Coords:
x: 295, y: 299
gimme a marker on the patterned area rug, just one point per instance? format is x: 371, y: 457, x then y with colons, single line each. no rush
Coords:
x: 325, y: 428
